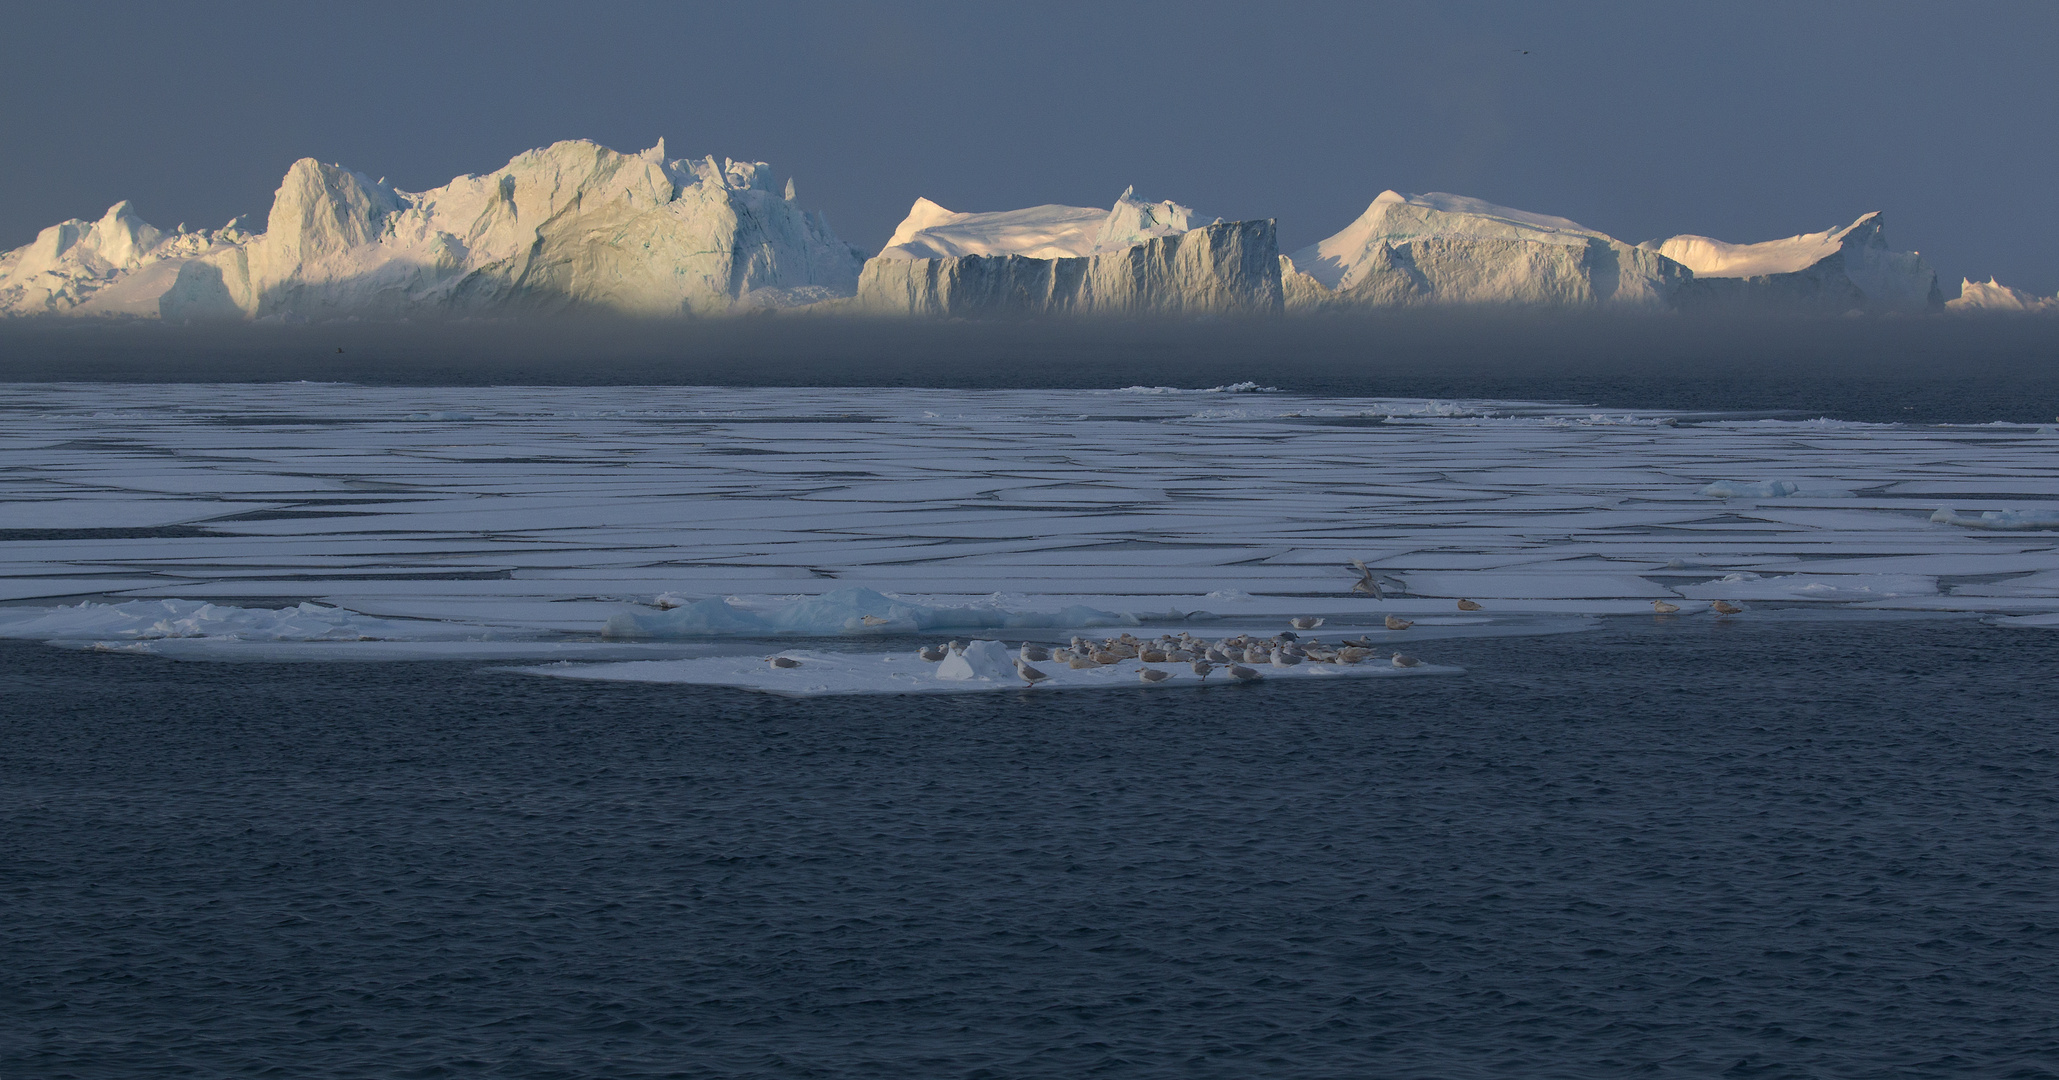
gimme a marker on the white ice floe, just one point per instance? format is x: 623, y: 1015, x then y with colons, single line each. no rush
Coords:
x: 152, y: 619
x: 2000, y: 519
x: 1845, y: 588
x: 1230, y: 388
x: 844, y: 611
x: 823, y: 673
x: 1771, y: 489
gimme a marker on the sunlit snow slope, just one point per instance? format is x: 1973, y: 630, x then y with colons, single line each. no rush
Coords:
x: 1837, y: 269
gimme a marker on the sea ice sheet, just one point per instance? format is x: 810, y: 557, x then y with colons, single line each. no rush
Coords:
x: 553, y: 514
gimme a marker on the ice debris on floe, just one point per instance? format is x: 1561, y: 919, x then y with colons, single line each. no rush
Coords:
x: 1839, y: 587
x: 837, y: 673
x: 2000, y: 519
x: 845, y: 611
x: 979, y: 660
x: 1768, y: 489
x: 144, y: 620
x: 1230, y: 388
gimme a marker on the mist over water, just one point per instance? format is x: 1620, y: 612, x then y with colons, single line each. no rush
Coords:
x: 1919, y: 370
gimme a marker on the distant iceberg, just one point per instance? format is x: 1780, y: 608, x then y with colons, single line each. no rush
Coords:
x: 1137, y: 258
x: 573, y: 227
x: 1838, y: 269
x: 1991, y: 296
x: 1441, y: 249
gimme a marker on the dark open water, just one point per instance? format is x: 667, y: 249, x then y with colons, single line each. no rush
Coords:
x: 1758, y: 850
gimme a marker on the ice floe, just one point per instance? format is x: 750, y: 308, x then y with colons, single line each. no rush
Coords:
x: 643, y: 522
x: 2000, y: 519
x: 844, y: 611
x: 981, y: 667
x: 151, y: 619
x: 1770, y: 489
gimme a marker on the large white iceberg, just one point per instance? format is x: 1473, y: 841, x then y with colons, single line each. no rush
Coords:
x: 1137, y: 258
x: 117, y: 266
x: 1409, y: 250
x: 1836, y: 269
x: 569, y: 228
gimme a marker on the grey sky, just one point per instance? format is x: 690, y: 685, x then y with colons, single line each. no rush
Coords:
x: 1743, y: 121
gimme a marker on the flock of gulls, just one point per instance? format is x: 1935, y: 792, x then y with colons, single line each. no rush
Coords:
x: 1240, y: 657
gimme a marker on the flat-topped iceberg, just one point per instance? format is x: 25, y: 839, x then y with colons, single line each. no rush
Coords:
x: 1837, y: 269
x: 1413, y: 250
x: 1137, y: 258
x: 1039, y: 232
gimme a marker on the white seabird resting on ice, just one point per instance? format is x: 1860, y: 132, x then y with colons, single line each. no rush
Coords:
x: 1138, y: 258
x: 1836, y: 269
x: 1413, y: 250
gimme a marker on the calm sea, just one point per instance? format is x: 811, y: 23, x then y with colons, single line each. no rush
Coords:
x: 1773, y: 848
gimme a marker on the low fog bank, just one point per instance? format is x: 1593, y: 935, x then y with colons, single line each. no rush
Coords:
x: 1935, y: 368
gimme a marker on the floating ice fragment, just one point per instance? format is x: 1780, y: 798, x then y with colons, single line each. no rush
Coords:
x: 825, y: 673
x: 845, y: 611
x: 147, y: 620
x: 2001, y: 519
x: 1230, y: 388
x: 1838, y: 587
x: 1739, y: 489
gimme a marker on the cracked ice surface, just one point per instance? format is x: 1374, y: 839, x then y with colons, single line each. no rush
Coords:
x: 535, y: 517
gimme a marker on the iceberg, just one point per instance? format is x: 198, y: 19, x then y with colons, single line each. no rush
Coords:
x: 1136, y: 259
x: 573, y: 227
x: 117, y: 266
x: 1838, y: 269
x: 1988, y: 296
x: 1436, y: 248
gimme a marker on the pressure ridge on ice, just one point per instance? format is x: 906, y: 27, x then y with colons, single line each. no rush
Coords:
x: 578, y: 228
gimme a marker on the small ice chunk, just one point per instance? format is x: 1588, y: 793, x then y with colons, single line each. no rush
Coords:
x: 1739, y: 489
x: 980, y: 660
